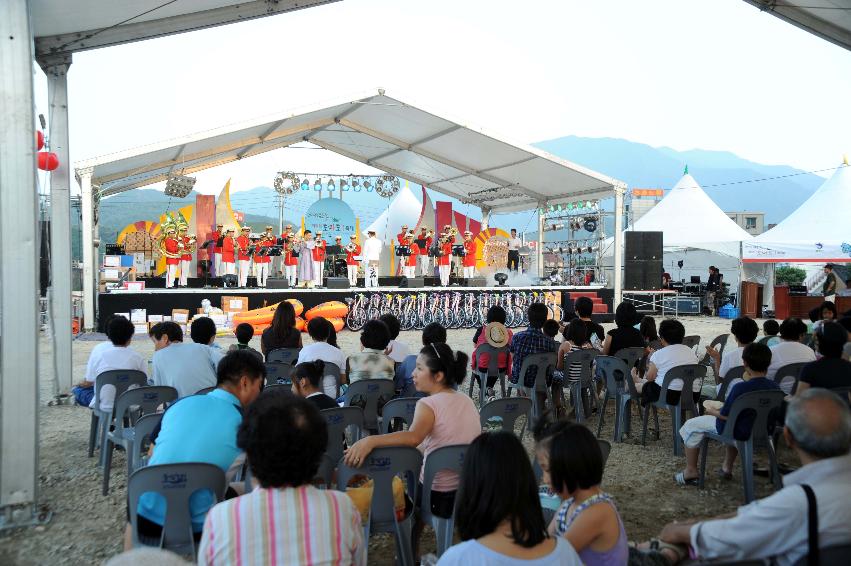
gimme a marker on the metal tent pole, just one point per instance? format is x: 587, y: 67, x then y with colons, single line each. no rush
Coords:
x: 618, y: 255
x: 88, y: 229
x: 539, y: 254
x: 486, y: 217
x: 19, y: 261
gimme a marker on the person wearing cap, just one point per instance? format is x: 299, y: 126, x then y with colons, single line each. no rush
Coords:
x: 262, y: 261
x: 444, y: 261
x: 410, y: 269
x: 286, y: 237
x: 319, y: 248
x: 352, y: 252
x: 171, y: 263
x: 424, y: 241
x: 371, y: 258
x: 243, y: 241
x: 228, y: 253
x: 469, y: 261
x: 186, y: 258
x: 495, y: 333
x: 216, y: 236
x: 402, y: 240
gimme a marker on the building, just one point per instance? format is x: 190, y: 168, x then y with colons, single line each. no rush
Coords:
x: 751, y: 222
x: 641, y: 202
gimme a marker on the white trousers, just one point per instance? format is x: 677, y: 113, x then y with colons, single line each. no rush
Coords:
x: 353, y: 274
x: 244, y: 266
x: 261, y: 271
x: 229, y: 268
x: 184, y: 272
x: 444, y: 274
x: 469, y: 272
x: 170, y: 274
x: 317, y: 272
x: 424, y: 265
x: 693, y: 431
x: 290, y: 272
x: 410, y: 271
x: 217, y: 263
x: 371, y: 274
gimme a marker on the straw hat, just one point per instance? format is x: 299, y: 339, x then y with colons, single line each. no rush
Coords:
x: 496, y: 334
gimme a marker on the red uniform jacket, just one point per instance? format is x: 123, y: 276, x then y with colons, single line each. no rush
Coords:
x: 470, y: 258
x: 319, y: 251
x: 227, y: 250
x: 401, y: 238
x: 243, y: 242
x: 263, y: 258
x: 415, y: 251
x: 217, y: 249
x: 350, y: 256
x: 171, y: 247
x: 446, y: 254
x: 186, y: 256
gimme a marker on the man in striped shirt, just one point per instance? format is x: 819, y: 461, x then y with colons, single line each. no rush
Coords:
x: 285, y: 520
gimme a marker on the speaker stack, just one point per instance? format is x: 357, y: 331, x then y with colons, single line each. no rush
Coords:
x: 642, y: 261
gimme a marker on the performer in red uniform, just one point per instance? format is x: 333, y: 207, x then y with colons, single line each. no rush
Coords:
x: 401, y: 240
x: 290, y: 260
x: 217, y: 249
x: 318, y: 259
x: 186, y: 258
x: 469, y: 262
x: 411, y: 260
x: 353, y: 251
x: 423, y: 242
x: 244, y: 259
x: 444, y: 262
x: 171, y: 263
x: 229, y: 253
x: 262, y: 261
x: 286, y: 236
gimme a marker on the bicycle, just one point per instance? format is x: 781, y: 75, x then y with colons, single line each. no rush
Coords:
x: 356, y: 317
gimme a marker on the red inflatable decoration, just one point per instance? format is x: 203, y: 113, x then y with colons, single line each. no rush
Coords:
x: 39, y: 140
x: 47, y: 161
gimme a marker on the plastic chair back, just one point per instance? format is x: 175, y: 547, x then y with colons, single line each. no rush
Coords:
x: 283, y: 355
x: 139, y: 450
x: 733, y: 374
x: 691, y: 341
x: 121, y: 379
x: 721, y: 342
x: 446, y: 458
x: 508, y: 410
x: 605, y: 449
x: 325, y: 473
x: 338, y: 421
x: 759, y: 402
x: 584, y: 358
x: 371, y: 391
x: 493, y: 369
x: 542, y: 363
x: 176, y: 483
x: 788, y: 371
x: 399, y: 408
x: 205, y: 390
x: 616, y: 373
x: 278, y: 373
x: 142, y: 401
x: 630, y: 356
x: 331, y: 370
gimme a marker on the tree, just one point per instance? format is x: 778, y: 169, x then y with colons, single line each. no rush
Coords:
x: 788, y: 275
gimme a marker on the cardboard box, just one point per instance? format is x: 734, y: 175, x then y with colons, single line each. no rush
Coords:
x: 180, y: 316
x: 155, y: 318
x: 141, y: 328
x: 138, y: 316
x: 234, y: 304
x: 112, y: 261
x: 220, y: 319
x: 134, y: 285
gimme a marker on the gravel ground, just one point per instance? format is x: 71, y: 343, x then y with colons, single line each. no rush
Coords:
x: 87, y: 527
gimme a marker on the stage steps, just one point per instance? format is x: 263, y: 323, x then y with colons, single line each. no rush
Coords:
x: 600, y: 306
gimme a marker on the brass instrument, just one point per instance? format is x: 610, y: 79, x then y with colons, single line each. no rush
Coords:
x: 351, y: 247
x: 446, y: 237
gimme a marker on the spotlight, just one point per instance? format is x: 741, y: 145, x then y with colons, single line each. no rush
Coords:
x: 501, y: 278
x: 179, y: 186
x: 317, y: 185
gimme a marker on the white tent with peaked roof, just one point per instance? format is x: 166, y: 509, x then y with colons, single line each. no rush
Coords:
x: 404, y: 209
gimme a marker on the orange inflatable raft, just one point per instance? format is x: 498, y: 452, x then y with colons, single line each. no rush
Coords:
x: 264, y: 316
x: 300, y: 324
x: 329, y: 310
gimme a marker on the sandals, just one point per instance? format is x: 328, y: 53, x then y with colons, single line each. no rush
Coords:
x: 681, y: 479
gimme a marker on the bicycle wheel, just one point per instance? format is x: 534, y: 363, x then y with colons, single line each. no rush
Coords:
x: 372, y: 313
x: 426, y: 319
x: 355, y: 319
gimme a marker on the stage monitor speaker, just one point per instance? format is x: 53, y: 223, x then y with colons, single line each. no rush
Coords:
x: 337, y: 283
x: 642, y: 275
x: 644, y: 246
x: 475, y: 282
x: 415, y: 282
x: 277, y: 283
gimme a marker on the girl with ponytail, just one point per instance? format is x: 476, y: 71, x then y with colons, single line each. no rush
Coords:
x: 444, y: 418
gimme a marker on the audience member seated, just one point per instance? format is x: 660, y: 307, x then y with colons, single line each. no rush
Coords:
x: 244, y: 333
x: 396, y: 350
x: 672, y: 354
x: 203, y: 331
x: 186, y: 367
x: 756, y: 359
x: 543, y: 431
x: 818, y: 429
x: 285, y: 520
x: 588, y: 519
x: 499, y: 517
x: 443, y: 418
x: 282, y: 333
x: 495, y: 322
x: 201, y: 428
x: 771, y: 329
x: 321, y: 331
x: 307, y: 382
x: 433, y: 333
x: 647, y: 328
x: 584, y: 308
x: 745, y: 331
x: 625, y: 335
x: 575, y: 339
x: 371, y: 362
x: 551, y: 328
x: 831, y: 370
x: 845, y: 322
x: 821, y: 314
x: 790, y: 350
x: 528, y: 342
x: 111, y: 355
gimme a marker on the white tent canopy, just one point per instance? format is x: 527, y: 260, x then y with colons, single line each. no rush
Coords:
x: 818, y: 231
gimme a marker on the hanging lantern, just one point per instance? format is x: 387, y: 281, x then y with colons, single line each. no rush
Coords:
x: 39, y: 140
x: 47, y: 161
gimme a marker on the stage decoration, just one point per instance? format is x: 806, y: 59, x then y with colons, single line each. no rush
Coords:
x: 367, y: 185
x: 387, y: 186
x: 39, y: 140
x: 179, y: 186
x: 224, y: 213
x: 492, y: 244
x: 286, y: 183
x: 47, y: 161
x: 333, y: 217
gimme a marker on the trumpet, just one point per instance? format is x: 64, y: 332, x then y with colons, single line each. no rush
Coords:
x: 351, y: 247
x: 447, y: 237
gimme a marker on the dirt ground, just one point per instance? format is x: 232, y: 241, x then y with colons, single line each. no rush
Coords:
x: 87, y: 527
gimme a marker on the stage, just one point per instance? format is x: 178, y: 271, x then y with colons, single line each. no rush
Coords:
x: 161, y: 301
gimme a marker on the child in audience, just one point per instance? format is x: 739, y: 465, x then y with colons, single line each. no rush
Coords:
x: 771, y: 329
x: 551, y: 328
x: 324, y: 348
x: 372, y: 362
x: 307, y: 383
x: 244, y: 333
x: 543, y: 432
x: 433, y: 333
x: 495, y: 314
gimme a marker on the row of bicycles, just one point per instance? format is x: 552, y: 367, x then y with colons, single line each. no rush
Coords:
x: 452, y: 309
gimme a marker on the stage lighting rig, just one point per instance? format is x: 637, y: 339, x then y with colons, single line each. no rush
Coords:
x: 179, y: 186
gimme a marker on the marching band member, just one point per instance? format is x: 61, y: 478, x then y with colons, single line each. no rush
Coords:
x: 290, y: 258
x: 262, y: 261
x: 401, y: 240
x: 244, y: 259
x: 411, y: 260
x: 186, y: 257
x: 371, y: 258
x: 424, y: 241
x: 352, y: 251
x: 444, y: 262
x: 229, y: 253
x: 286, y: 236
x: 319, y: 258
x: 469, y: 262
x: 305, y: 247
x: 172, y: 259
x: 217, y: 249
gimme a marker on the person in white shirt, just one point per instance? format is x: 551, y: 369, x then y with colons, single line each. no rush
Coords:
x: 672, y: 354
x: 115, y: 354
x: 790, y: 350
x: 745, y: 331
x: 324, y: 348
x: 818, y: 429
x: 371, y: 256
x: 186, y: 367
x: 514, y: 245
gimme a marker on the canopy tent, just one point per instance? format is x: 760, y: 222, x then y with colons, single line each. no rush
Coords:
x: 828, y: 19
x: 818, y: 231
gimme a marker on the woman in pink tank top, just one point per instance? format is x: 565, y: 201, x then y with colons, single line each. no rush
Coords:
x: 444, y: 418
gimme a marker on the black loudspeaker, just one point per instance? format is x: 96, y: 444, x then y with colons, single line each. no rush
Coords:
x: 337, y: 283
x: 416, y: 282
x: 277, y: 283
x: 475, y: 282
x: 644, y: 246
x: 642, y: 275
